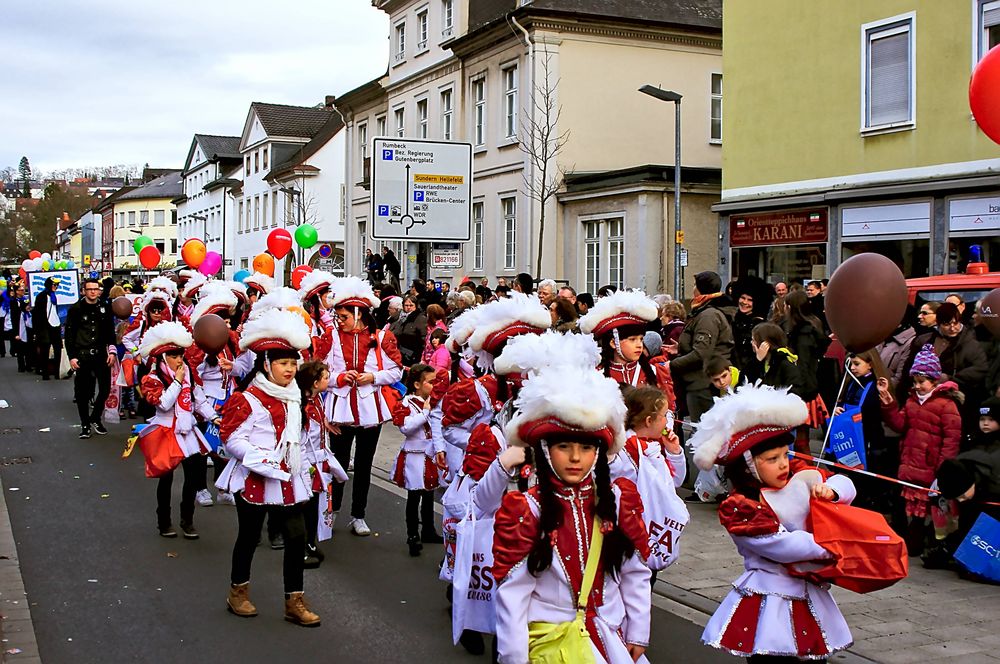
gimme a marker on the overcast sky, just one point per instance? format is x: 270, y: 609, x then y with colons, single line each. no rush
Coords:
x: 106, y: 82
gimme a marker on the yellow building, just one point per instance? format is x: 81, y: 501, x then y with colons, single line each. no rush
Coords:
x: 147, y: 210
x: 848, y: 129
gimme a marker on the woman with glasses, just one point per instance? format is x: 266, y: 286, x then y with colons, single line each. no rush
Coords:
x: 927, y: 315
x: 155, y: 309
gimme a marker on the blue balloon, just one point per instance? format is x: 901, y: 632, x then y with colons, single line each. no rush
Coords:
x: 241, y: 275
x: 70, y: 265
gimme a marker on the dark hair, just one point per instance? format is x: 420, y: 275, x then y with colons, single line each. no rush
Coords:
x: 261, y: 359
x: 566, y: 287
x: 617, y: 546
x: 716, y: 366
x: 799, y: 311
x: 565, y: 309
x: 90, y: 280
x: 525, y: 283
x: 501, y: 290
x: 608, y: 352
x: 416, y: 374
x: 604, y: 291
x: 435, y: 312
x: 948, y: 313
x: 306, y: 376
x: 738, y: 473
x: 771, y: 333
x: 585, y: 299
x: 439, y: 335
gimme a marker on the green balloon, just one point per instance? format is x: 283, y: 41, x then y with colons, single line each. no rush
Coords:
x: 306, y: 236
x: 142, y: 241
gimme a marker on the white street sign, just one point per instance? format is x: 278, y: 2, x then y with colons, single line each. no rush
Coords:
x: 446, y: 258
x: 421, y: 190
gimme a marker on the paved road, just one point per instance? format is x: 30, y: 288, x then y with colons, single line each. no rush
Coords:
x: 103, y: 586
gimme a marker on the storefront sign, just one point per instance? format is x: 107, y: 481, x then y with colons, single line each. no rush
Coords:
x: 975, y: 214
x: 901, y: 219
x: 794, y: 227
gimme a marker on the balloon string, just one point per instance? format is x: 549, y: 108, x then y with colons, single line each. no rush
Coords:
x: 840, y: 392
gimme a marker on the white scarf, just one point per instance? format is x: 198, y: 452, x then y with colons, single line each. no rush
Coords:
x: 288, y: 447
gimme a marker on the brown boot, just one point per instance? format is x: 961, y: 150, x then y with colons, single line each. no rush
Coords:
x: 297, y: 611
x: 239, y: 601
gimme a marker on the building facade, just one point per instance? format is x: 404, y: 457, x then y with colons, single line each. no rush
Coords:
x: 865, y: 142
x: 146, y: 210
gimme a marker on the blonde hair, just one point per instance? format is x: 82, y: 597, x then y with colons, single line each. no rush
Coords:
x: 642, y: 403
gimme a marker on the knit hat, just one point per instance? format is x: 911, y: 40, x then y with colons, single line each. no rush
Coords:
x: 954, y: 478
x: 164, y: 337
x: 990, y: 408
x: 653, y: 343
x: 620, y: 309
x: 260, y: 282
x: 926, y: 363
x: 275, y: 329
x: 708, y: 282
x: 742, y: 419
x: 350, y: 292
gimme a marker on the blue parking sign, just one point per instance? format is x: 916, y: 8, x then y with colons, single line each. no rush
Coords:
x: 387, y: 155
x: 383, y: 210
x: 418, y: 196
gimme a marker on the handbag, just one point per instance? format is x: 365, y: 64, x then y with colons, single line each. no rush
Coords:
x: 847, y: 435
x: 160, y: 447
x: 569, y: 642
x: 869, y: 555
x: 978, y: 551
x: 473, y: 605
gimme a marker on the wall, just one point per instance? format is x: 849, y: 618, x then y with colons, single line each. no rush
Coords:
x: 166, y: 233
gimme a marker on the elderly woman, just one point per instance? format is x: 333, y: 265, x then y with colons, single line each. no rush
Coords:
x: 564, y: 315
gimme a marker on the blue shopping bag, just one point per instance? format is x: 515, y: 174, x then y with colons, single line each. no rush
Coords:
x: 847, y: 435
x: 979, y: 552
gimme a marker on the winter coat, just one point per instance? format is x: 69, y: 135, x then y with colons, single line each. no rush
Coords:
x: 962, y: 360
x: 808, y: 344
x: 931, y: 432
x: 410, y: 330
x: 781, y: 371
x: 708, y: 334
x: 893, y: 352
x: 743, y: 325
x: 871, y: 420
x: 671, y: 332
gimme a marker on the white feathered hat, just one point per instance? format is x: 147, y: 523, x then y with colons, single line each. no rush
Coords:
x: 279, y: 298
x: 164, y: 337
x: 461, y: 328
x: 351, y: 292
x: 239, y: 290
x: 741, y: 420
x: 260, y: 282
x: 621, y: 308
x: 569, y: 402
x: 165, y: 284
x: 160, y: 296
x: 275, y: 329
x: 532, y: 353
x: 212, y: 299
x: 183, y: 276
x: 496, y: 322
x: 194, y: 284
x: 314, y: 282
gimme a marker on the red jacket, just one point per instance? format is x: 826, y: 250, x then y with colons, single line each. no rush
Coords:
x: 931, y: 432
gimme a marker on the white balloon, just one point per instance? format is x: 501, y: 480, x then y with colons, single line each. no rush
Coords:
x: 36, y: 264
x: 46, y: 256
x: 26, y: 264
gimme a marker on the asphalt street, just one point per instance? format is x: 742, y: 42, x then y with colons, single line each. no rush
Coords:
x: 104, y: 587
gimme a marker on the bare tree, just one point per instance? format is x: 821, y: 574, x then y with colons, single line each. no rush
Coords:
x: 541, y: 140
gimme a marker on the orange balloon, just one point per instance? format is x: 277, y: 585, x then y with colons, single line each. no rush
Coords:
x: 305, y: 315
x: 264, y: 263
x: 193, y: 252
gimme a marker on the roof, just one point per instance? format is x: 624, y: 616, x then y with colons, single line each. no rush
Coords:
x: 333, y: 125
x: 166, y: 186
x: 291, y: 121
x: 217, y: 147
x: 703, y: 14
x: 110, y: 200
x: 648, y: 173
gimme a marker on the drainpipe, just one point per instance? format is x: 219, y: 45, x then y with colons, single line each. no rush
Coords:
x: 530, y: 165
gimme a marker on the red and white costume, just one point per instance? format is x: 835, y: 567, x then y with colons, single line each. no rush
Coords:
x: 626, y: 463
x: 133, y: 335
x: 323, y: 466
x: 214, y: 298
x: 319, y: 283
x: 414, y: 468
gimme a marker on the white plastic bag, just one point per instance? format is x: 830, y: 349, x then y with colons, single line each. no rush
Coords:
x: 455, y: 501
x: 710, y: 484
x: 473, y: 605
x: 664, y: 512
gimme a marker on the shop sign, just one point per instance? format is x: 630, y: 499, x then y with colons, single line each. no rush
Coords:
x: 790, y: 227
x: 446, y: 258
x: 898, y: 219
x: 975, y: 214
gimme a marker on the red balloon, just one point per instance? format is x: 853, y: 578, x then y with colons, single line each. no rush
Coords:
x: 211, y: 333
x: 279, y: 243
x: 149, y: 256
x: 988, y: 310
x: 21, y: 273
x: 298, y: 274
x: 34, y: 253
x: 865, y: 301
x: 984, y: 94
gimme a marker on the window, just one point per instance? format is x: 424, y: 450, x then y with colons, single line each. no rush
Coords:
x: 244, y: 263
x: 479, y: 111
x: 161, y: 246
x: 256, y: 213
x: 265, y: 157
x: 716, y: 119
x: 239, y: 219
x: 446, y: 115
x: 509, y: 232
x: 380, y: 126
x: 477, y: 236
x: 400, y: 43
x: 131, y: 218
x: 888, y: 73
x: 159, y: 217
x: 422, y: 31
x: 447, y: 18
x: 143, y: 217
x: 256, y: 161
x: 422, y: 118
x: 247, y: 169
x: 362, y: 240
x: 263, y: 220
x: 173, y: 245
x: 987, y: 26
x: 173, y: 217
x: 121, y: 220
x: 363, y: 143
x: 399, y: 119
x: 604, y: 253
x: 274, y: 211
x: 510, y: 102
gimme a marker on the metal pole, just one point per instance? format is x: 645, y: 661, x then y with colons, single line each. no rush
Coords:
x: 678, y: 288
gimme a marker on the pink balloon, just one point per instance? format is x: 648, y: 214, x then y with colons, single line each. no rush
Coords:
x: 211, y: 264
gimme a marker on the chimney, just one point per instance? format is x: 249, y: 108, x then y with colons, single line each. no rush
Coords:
x: 330, y: 101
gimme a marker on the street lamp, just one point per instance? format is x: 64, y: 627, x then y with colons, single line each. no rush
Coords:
x: 671, y: 96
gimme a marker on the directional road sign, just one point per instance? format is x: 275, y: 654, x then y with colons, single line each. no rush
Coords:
x: 421, y: 190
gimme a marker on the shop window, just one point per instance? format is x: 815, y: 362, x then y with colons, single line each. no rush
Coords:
x: 912, y: 255
x: 787, y: 263
x: 889, y: 73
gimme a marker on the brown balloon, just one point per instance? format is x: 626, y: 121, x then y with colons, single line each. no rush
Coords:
x: 865, y: 301
x: 122, y: 307
x: 211, y: 333
x: 989, y: 311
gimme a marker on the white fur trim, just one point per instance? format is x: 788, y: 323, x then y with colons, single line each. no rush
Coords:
x: 214, y: 294
x: 237, y: 288
x: 260, y: 281
x: 167, y: 332
x: 165, y: 284
x: 633, y: 302
x: 314, y: 280
x: 351, y: 288
x: 460, y: 329
x: 531, y: 353
x: 196, y: 281
x: 749, y: 406
x: 279, y: 298
x: 276, y: 324
x: 150, y: 295
x: 581, y: 397
x: 495, y: 316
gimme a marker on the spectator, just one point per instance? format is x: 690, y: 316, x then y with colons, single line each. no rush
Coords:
x: 894, y: 350
x: 48, y: 328
x: 817, y: 304
x: 410, y: 329
x: 435, y: 321
x: 393, y: 309
x: 390, y: 267
x: 564, y: 315
x: 569, y: 293
x: 523, y: 283
x: 484, y: 293
x: 373, y: 265
x: 547, y: 291
x: 780, y: 289
x: 445, y: 288
x: 723, y: 376
x: 779, y: 311
x: 927, y: 316
x: 672, y: 315
x: 90, y: 345
x: 425, y: 296
x: 584, y: 303
x: 753, y: 301
x: 959, y: 301
x: 502, y: 291
x: 385, y: 293
x: 440, y: 356
x: 501, y: 281
x: 775, y: 364
x: 809, y: 343
x: 604, y: 291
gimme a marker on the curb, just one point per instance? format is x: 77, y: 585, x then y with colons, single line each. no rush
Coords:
x: 16, y: 627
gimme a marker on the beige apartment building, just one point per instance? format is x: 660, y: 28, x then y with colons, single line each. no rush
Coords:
x: 482, y: 71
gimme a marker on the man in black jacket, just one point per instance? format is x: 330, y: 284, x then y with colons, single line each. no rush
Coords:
x: 48, y: 330
x: 90, y: 344
x: 391, y: 267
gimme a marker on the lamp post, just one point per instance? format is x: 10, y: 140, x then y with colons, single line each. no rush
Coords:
x: 671, y: 96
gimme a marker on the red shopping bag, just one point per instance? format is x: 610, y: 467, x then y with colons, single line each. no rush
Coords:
x: 870, y: 556
x: 160, y: 447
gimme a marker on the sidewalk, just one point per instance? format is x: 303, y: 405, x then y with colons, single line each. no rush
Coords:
x: 931, y: 616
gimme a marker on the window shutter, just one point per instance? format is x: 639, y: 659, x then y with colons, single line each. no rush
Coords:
x: 889, y: 79
x: 991, y: 14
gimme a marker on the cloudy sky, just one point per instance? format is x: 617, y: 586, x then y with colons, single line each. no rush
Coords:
x: 107, y: 82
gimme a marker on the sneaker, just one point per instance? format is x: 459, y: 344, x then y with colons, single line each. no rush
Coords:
x: 360, y: 528
x: 189, y: 531
x: 99, y: 428
x: 277, y: 542
x: 413, y: 542
x: 225, y: 498
x: 204, y: 498
x: 168, y: 531
x: 84, y: 432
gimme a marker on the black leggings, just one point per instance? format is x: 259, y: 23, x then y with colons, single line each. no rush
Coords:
x: 311, y: 516
x: 367, y: 438
x: 422, y: 501
x: 251, y: 520
x: 194, y: 468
